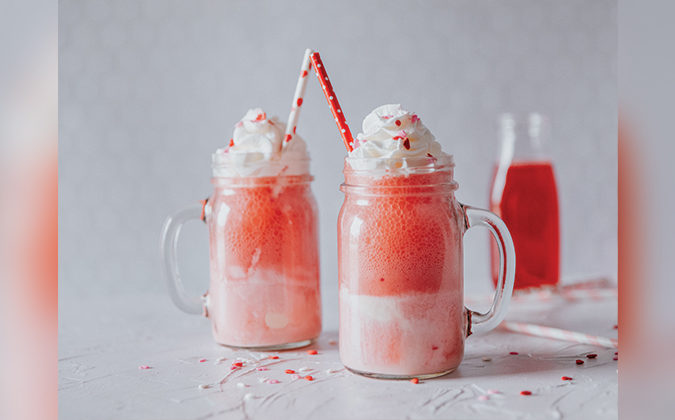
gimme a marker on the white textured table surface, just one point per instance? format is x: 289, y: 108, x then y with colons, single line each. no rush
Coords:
x: 103, y: 342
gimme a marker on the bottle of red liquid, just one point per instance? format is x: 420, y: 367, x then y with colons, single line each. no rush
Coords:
x: 525, y: 197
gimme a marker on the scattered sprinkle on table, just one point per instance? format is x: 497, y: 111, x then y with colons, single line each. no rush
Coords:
x: 513, y: 353
x: 202, y: 360
x: 579, y: 362
x: 525, y: 392
x: 566, y: 378
x: 309, y: 378
x: 615, y: 358
x: 289, y: 371
x: 312, y: 352
x: 415, y: 380
x: 261, y: 368
x: 204, y: 386
x: 144, y: 367
x: 591, y: 356
x: 273, y: 357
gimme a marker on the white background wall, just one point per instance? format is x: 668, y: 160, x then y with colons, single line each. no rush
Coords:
x: 148, y: 89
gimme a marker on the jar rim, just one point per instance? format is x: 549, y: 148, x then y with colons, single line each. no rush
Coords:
x: 223, y: 166
x: 398, y: 165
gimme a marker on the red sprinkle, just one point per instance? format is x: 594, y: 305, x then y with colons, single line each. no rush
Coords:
x: 406, y: 144
x: 616, y: 353
x: 591, y: 355
x: 238, y: 364
x: 566, y: 378
x: 299, y: 101
x: 525, y: 392
x: 398, y: 138
x: 261, y: 117
x: 288, y: 138
x: 309, y: 378
x: 414, y: 118
x: 294, y: 127
x: 231, y: 142
x: 312, y: 352
x: 514, y: 353
x: 616, y: 327
x: 580, y: 362
x: 398, y: 123
x: 415, y: 380
x: 289, y: 371
x: 304, y: 73
x: 273, y: 357
x: 434, y: 347
x: 429, y: 155
x: 615, y: 358
x: 202, y: 360
x: 144, y: 367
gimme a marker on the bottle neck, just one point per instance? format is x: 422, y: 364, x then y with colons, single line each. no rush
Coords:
x: 523, y: 138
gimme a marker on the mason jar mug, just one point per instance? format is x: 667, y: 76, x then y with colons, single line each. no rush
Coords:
x: 264, y: 261
x: 401, y: 277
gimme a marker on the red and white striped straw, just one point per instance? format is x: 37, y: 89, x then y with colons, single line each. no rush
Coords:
x: 558, y: 334
x: 298, y: 98
x: 333, y: 103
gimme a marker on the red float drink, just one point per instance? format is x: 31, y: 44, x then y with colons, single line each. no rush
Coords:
x: 264, y: 254
x: 400, y: 256
x: 264, y: 261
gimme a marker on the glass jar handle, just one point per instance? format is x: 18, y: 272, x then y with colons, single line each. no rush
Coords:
x: 483, y: 322
x: 169, y: 249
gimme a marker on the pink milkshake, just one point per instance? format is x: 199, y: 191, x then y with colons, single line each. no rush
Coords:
x: 400, y: 251
x: 264, y: 260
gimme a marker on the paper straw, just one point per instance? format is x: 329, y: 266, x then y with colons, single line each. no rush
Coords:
x: 298, y: 98
x: 333, y: 103
x: 558, y: 334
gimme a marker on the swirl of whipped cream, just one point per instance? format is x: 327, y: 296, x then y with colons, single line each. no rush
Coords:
x: 390, y: 132
x: 255, y: 149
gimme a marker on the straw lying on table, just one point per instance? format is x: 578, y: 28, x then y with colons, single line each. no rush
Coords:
x: 333, y: 103
x: 558, y: 334
x: 298, y: 98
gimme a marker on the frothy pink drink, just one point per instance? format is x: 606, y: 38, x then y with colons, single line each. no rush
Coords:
x: 262, y: 221
x: 401, y: 284
x: 264, y: 262
x: 400, y: 251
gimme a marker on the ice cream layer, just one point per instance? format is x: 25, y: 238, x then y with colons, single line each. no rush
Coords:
x: 257, y: 148
x: 393, y: 137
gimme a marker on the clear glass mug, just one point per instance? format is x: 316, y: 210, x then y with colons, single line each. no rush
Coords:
x: 400, y: 259
x: 264, y: 259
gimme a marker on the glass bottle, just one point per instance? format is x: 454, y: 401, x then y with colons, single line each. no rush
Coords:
x: 524, y: 195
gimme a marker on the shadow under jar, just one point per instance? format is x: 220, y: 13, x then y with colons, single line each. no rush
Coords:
x: 400, y: 257
x: 264, y: 261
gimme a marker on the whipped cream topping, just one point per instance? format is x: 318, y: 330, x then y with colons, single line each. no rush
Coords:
x: 255, y: 149
x: 395, y: 137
